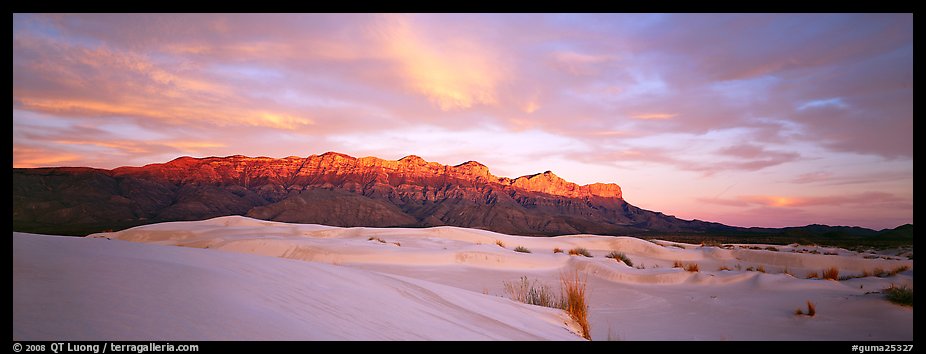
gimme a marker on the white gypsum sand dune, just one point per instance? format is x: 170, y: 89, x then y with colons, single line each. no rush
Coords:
x: 658, y: 302
x: 93, y: 289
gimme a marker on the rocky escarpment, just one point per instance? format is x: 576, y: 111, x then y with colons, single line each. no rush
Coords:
x: 331, y: 188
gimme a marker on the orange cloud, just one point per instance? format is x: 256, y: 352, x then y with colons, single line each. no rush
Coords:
x: 454, y: 74
x: 654, y: 116
x: 24, y: 157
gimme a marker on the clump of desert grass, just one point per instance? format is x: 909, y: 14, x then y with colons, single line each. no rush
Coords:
x: 811, y: 310
x: 571, y: 298
x: 533, y: 293
x: 899, y: 295
x: 831, y: 274
x: 579, y: 251
x: 522, y: 249
x: 397, y: 243
x: 898, y: 269
x: 771, y: 248
x: 500, y: 243
x: 691, y: 267
x: 813, y: 275
x: 620, y: 257
x: 576, y: 304
x: 372, y: 238
x: 711, y: 243
x: 557, y: 250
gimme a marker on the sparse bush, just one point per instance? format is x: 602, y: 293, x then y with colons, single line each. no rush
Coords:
x: 831, y: 274
x: 579, y: 250
x: 620, y: 257
x: 557, y: 250
x: 500, y: 243
x: 397, y: 243
x: 532, y: 293
x: 522, y: 249
x: 575, y: 301
x: 770, y: 248
x: 677, y: 264
x: 693, y: 267
x: 901, y: 296
x: 377, y: 239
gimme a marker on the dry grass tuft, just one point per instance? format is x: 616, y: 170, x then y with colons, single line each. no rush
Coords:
x: 899, y: 269
x: 620, y: 257
x: 813, y: 275
x: 377, y: 239
x: 500, y: 243
x: 557, y: 250
x: 811, y: 310
x: 532, y: 293
x: 579, y: 250
x: 831, y: 274
x: 677, y: 264
x: 901, y: 296
x: 693, y: 267
x: 522, y: 249
x: 575, y: 302
x: 397, y: 243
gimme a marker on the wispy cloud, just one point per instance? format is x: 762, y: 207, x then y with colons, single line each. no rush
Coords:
x: 823, y: 97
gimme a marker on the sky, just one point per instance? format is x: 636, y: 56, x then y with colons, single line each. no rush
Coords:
x: 746, y: 119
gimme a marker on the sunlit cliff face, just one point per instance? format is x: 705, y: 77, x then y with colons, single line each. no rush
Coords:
x: 753, y: 120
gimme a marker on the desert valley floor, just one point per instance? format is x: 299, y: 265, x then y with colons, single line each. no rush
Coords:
x: 240, y: 278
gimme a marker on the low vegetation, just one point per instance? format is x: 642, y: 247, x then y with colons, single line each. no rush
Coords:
x: 579, y: 251
x: 522, y: 249
x: 813, y: 275
x: 723, y: 267
x: 693, y: 267
x: 899, y: 295
x: 576, y: 304
x: 557, y: 250
x: 831, y: 274
x: 811, y: 310
x: 533, y: 293
x: 500, y: 243
x: 372, y: 238
x: 572, y: 297
x: 711, y: 243
x: 620, y: 257
x: 760, y: 269
x: 771, y: 248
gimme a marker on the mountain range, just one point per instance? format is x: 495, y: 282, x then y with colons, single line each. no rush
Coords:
x: 340, y: 190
